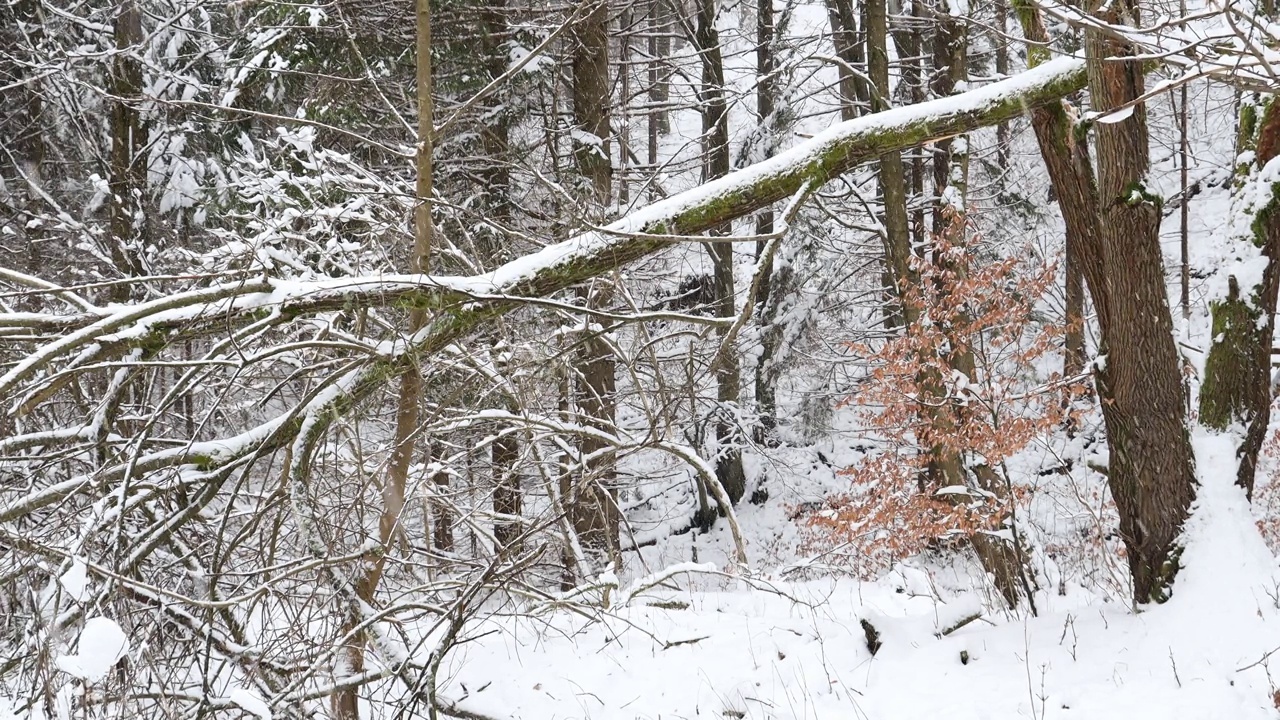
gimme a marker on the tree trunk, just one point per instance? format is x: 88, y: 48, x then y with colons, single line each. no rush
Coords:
x: 659, y: 47
x: 496, y: 142
x: 26, y: 125
x: 593, y: 506
x: 897, y: 235
x: 715, y: 134
x: 770, y: 335
x: 345, y: 702
x: 507, y: 499
x: 1066, y: 155
x: 1152, y: 468
x: 854, y: 90
x: 949, y: 44
x: 128, y: 160
x: 999, y: 38
x: 910, y: 44
x: 947, y: 466
x: 1237, y: 381
x: 1116, y: 225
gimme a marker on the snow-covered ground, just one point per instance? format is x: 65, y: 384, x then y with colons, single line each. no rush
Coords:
x: 768, y: 648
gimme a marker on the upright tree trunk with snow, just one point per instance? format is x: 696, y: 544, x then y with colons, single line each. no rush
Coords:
x: 852, y: 52
x: 947, y: 466
x: 770, y: 333
x: 1237, y: 380
x: 345, y: 701
x: 1064, y: 147
x: 495, y: 139
x: 715, y: 135
x: 1005, y: 560
x: 26, y: 125
x: 128, y: 157
x: 1000, y: 39
x: 949, y: 55
x: 1152, y: 468
x: 495, y: 135
x: 507, y: 498
x: 897, y: 235
x: 943, y: 413
x: 1116, y: 224
x: 659, y: 48
x: 592, y: 504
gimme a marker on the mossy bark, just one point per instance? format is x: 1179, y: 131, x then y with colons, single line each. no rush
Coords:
x: 1237, y: 372
x: 457, y: 314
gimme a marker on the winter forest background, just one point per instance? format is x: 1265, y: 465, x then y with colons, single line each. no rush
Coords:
x: 487, y: 359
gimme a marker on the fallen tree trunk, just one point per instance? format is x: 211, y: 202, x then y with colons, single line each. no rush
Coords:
x: 460, y: 305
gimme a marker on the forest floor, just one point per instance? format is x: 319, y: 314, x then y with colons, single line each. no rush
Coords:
x: 768, y: 648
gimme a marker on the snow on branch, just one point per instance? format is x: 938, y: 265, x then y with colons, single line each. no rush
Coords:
x: 460, y: 305
x: 1222, y: 40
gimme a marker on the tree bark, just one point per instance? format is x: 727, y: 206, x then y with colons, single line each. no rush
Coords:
x: 897, y: 234
x: 496, y: 142
x: 715, y: 133
x: 1139, y: 379
x: 345, y: 702
x: 1237, y: 381
x: 770, y: 333
x: 507, y: 498
x: 1000, y: 40
x: 128, y: 139
x: 1116, y: 223
x: 592, y: 503
x: 495, y: 133
x: 949, y: 45
x: 1065, y: 150
x: 23, y: 122
x: 854, y: 91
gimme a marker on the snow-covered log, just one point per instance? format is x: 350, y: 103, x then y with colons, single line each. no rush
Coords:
x: 459, y: 305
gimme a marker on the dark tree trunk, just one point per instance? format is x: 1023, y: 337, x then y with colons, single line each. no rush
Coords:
x: 897, y: 236
x: 854, y: 91
x: 1066, y: 155
x: 592, y: 505
x: 1152, y: 468
x: 496, y: 143
x: 770, y: 334
x: 1000, y: 40
x: 495, y: 134
x: 128, y: 138
x: 715, y: 134
x: 1116, y: 227
x: 949, y: 45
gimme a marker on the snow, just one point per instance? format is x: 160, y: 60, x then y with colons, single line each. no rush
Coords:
x: 764, y: 655
x: 76, y: 580
x: 251, y: 703
x: 101, y: 644
x: 799, y: 650
x: 673, y: 636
